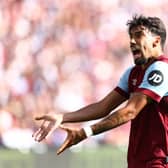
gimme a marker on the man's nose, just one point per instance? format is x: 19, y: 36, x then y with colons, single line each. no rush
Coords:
x: 132, y: 41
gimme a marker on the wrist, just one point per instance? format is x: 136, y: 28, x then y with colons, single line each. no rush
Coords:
x: 66, y: 118
x: 88, y: 131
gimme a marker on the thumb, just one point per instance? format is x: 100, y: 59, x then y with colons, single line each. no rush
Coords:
x: 45, y: 117
x: 66, y: 144
x: 64, y: 128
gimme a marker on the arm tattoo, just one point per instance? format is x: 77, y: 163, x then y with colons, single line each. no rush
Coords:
x: 110, y: 122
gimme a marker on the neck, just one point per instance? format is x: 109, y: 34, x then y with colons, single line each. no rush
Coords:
x: 157, y: 53
x: 151, y: 59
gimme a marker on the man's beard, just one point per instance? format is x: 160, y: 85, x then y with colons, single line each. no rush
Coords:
x: 141, y: 61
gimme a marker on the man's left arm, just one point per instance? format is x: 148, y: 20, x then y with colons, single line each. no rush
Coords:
x: 134, y: 105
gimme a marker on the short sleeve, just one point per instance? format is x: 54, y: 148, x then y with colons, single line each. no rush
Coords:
x: 122, y: 86
x: 155, y: 81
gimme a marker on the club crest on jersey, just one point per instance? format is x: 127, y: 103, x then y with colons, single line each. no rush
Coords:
x: 134, y: 82
x: 155, y: 78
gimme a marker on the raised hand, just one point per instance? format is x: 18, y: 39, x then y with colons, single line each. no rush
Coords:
x: 50, y: 122
x: 73, y: 137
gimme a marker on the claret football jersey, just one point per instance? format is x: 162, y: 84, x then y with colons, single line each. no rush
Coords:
x: 148, y: 143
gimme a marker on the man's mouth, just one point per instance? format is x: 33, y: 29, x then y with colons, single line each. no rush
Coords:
x: 137, y: 53
x: 138, y: 56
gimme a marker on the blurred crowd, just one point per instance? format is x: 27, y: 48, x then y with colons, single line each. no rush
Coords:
x: 62, y: 55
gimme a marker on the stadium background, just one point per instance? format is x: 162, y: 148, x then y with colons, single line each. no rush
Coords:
x: 63, y: 55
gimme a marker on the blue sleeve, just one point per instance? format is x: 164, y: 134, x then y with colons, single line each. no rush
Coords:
x: 123, y: 83
x: 156, y: 79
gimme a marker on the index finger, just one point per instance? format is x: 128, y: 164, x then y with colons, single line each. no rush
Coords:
x: 36, y: 133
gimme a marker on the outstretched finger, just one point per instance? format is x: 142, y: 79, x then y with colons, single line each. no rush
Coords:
x: 51, y: 131
x: 36, y: 133
x: 47, y: 131
x: 39, y: 131
x: 64, y: 146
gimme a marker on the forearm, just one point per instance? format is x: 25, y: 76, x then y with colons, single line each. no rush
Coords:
x: 121, y: 116
x: 96, y: 110
x: 114, y: 120
x: 90, y: 112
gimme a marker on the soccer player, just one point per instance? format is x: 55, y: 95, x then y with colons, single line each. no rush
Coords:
x: 145, y: 86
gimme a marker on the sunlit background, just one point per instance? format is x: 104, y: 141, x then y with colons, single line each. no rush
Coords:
x: 63, y: 55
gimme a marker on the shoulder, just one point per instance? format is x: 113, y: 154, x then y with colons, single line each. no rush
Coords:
x: 163, y: 58
x: 161, y: 64
x: 156, y: 73
x: 125, y: 76
x: 128, y: 70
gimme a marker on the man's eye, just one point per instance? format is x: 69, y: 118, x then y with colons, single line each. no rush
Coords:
x: 138, y: 34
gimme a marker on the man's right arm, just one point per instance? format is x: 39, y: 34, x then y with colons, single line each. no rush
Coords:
x: 96, y: 110
x: 103, y: 107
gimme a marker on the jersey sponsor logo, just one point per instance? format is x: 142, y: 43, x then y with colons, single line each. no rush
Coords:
x: 155, y: 78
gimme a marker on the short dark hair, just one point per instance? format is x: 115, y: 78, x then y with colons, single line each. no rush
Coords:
x: 154, y: 24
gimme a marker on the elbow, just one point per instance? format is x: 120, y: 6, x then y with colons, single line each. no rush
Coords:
x: 131, y: 114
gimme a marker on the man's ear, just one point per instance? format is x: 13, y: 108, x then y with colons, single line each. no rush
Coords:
x: 156, y: 41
